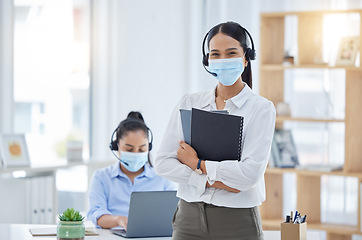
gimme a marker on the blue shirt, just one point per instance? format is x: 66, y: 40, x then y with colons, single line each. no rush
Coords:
x: 111, y: 189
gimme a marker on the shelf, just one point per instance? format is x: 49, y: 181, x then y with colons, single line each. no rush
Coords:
x: 335, y: 228
x: 280, y: 67
x: 312, y: 173
x: 301, y: 119
x: 56, y: 165
x: 332, y: 228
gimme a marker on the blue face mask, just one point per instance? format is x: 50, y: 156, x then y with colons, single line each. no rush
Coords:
x: 228, y: 70
x: 135, y: 161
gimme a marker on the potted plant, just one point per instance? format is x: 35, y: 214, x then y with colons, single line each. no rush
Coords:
x: 70, y: 225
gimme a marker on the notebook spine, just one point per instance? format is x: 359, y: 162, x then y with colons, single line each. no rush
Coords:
x: 240, y: 137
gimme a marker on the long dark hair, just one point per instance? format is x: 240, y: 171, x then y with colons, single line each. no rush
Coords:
x: 234, y: 30
x: 132, y: 123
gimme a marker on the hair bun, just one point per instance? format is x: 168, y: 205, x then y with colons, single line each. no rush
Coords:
x: 135, y: 115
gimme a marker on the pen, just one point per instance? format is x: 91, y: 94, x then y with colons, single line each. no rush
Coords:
x: 295, y: 217
x: 291, y: 216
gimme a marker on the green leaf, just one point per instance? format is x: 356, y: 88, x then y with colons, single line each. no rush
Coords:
x: 71, y: 215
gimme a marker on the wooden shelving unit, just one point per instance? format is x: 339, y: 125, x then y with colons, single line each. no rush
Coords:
x: 272, y: 69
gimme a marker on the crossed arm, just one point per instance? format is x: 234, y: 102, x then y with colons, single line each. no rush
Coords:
x: 188, y: 156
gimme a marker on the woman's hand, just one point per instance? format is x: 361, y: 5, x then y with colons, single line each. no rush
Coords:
x: 122, y: 221
x: 187, y: 155
x: 111, y: 221
x: 221, y: 185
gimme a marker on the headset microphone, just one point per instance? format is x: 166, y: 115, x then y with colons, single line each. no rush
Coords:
x: 120, y: 159
x: 212, y: 73
x: 205, y: 57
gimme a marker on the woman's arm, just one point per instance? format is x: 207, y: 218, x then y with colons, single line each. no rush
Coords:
x: 220, y: 185
x: 245, y: 174
x: 98, y: 212
x: 167, y: 164
x: 110, y: 221
x: 188, y: 156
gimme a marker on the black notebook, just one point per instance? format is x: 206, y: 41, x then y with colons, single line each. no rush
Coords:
x: 216, y: 136
x: 186, y: 122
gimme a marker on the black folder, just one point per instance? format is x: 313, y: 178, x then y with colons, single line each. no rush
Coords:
x: 186, y: 122
x: 216, y: 136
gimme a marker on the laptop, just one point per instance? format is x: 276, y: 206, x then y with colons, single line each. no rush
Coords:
x: 150, y: 214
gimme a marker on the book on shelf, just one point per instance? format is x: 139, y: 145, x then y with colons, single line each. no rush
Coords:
x: 283, y: 150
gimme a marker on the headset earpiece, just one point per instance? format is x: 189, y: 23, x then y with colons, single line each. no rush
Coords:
x: 205, y: 60
x: 250, y: 54
x: 113, y: 146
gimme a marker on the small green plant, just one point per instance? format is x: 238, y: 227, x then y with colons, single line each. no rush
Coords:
x: 71, y: 215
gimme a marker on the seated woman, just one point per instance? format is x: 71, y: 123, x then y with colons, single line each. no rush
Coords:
x: 111, y: 187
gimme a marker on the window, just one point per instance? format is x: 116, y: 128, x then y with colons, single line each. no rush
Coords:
x: 51, y: 75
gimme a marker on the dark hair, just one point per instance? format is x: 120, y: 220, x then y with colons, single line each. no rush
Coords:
x: 234, y: 30
x: 133, y: 122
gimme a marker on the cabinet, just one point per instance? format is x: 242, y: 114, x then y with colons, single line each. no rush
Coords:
x: 309, y: 37
x: 30, y: 194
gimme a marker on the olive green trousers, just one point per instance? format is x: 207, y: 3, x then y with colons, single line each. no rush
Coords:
x: 201, y: 221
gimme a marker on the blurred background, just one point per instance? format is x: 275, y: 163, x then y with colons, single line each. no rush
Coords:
x: 71, y: 70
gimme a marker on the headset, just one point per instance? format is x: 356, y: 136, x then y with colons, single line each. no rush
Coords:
x: 114, y: 145
x: 250, y: 52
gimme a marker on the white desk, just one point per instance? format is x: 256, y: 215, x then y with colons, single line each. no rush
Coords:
x: 21, y: 231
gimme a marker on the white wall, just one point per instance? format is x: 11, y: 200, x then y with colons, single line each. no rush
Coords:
x: 143, y: 60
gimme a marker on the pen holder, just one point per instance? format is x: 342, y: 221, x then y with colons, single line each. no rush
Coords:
x: 294, y: 231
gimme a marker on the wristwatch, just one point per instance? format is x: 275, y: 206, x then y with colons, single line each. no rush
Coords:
x: 198, y: 169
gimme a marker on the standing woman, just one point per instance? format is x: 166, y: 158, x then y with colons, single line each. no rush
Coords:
x: 221, y: 201
x: 111, y: 187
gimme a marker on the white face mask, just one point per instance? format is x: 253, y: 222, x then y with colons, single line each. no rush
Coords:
x: 228, y: 70
x: 135, y: 161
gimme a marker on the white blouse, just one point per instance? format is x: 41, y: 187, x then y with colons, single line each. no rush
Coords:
x: 246, y: 175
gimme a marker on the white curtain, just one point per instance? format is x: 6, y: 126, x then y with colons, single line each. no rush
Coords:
x: 6, y: 66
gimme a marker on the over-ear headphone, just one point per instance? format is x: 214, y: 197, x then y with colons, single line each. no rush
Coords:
x: 114, y: 145
x: 249, y: 54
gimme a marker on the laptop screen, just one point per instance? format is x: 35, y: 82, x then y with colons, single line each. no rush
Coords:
x: 150, y: 214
